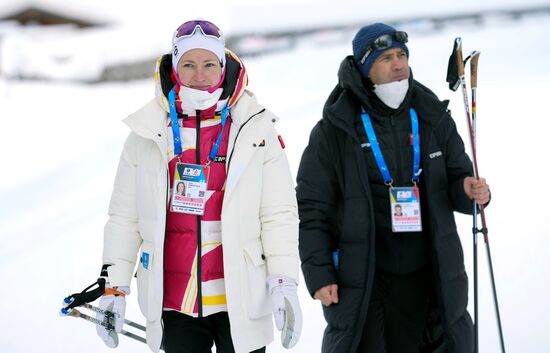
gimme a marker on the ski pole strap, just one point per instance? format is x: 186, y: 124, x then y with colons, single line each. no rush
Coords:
x: 452, y: 69
x: 86, y: 296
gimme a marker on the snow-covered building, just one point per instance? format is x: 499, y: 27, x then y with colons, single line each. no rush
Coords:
x: 37, y: 16
x: 102, y: 40
x: 37, y: 38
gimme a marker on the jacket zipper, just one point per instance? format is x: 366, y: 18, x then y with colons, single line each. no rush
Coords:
x: 199, y: 236
x: 236, y: 137
x: 164, y: 249
x: 166, y: 203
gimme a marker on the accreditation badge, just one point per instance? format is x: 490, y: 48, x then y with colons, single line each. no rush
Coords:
x: 189, y: 188
x: 405, y: 209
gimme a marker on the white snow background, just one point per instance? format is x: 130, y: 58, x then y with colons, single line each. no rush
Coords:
x: 60, y: 144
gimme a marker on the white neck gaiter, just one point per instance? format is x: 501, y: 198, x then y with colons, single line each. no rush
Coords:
x: 194, y: 99
x: 393, y: 93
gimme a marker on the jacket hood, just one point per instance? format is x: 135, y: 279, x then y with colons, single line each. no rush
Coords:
x: 234, y: 84
x: 344, y: 103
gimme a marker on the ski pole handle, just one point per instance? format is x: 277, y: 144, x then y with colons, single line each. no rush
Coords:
x: 473, y: 69
x: 459, y: 62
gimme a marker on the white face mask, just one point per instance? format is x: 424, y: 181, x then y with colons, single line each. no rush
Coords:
x: 194, y: 99
x: 393, y: 93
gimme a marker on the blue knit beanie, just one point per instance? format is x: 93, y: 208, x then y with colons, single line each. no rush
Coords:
x: 364, y: 39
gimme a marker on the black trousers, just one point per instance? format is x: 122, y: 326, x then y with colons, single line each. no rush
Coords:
x: 186, y: 334
x: 397, y: 312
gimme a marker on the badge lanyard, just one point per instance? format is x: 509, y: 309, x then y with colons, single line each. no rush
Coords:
x: 193, y: 177
x: 404, y: 201
x: 176, y: 130
x: 377, y: 152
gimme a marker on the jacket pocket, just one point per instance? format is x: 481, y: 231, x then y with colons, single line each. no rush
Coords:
x: 144, y: 276
x: 256, y: 298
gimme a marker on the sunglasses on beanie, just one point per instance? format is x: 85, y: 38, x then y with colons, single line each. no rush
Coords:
x: 385, y: 41
x: 207, y: 28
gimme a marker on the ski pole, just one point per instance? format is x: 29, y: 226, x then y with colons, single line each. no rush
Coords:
x: 76, y: 313
x: 483, y: 230
x: 473, y: 82
x: 101, y: 311
x: 90, y: 294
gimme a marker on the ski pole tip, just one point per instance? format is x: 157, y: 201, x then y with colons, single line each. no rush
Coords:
x: 67, y: 301
x: 64, y: 312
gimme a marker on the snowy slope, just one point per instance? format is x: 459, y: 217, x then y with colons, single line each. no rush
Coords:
x: 60, y: 145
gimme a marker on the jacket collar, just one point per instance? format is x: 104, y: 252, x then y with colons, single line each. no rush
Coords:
x: 344, y: 103
x: 234, y: 84
x: 246, y: 107
x: 149, y: 121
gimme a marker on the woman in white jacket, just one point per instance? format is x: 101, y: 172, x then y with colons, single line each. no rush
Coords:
x: 215, y: 262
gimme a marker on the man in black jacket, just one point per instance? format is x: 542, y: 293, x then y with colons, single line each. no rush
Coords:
x: 388, y: 283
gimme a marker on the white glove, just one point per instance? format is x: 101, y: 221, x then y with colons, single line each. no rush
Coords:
x: 286, y: 308
x: 117, y: 305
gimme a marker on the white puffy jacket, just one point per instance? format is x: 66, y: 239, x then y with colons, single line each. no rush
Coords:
x: 259, y: 219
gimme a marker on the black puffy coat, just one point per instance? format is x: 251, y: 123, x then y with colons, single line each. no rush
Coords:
x: 336, y: 212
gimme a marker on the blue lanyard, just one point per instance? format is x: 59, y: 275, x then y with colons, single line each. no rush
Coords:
x: 377, y: 152
x: 176, y: 127
x: 214, y: 151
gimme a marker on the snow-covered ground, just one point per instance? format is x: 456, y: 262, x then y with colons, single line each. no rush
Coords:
x: 60, y: 144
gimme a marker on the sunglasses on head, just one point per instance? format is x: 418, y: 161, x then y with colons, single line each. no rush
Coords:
x: 384, y: 42
x: 207, y: 28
